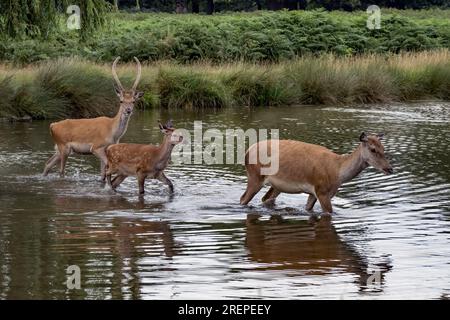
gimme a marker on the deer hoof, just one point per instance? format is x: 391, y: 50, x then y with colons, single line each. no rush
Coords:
x: 326, y: 215
x: 269, y: 203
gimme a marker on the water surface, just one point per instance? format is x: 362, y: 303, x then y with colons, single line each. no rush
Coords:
x: 200, y: 243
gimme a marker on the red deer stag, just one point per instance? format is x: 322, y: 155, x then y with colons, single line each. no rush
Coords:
x: 142, y: 160
x: 311, y: 169
x: 92, y: 136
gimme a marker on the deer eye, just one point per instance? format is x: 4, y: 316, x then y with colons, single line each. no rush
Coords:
x: 373, y: 150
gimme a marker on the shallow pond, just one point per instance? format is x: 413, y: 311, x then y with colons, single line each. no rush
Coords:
x: 389, y: 237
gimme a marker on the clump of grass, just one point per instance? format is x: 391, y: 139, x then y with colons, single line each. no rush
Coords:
x: 23, y: 97
x: 408, y: 83
x: 87, y: 91
x: 372, y: 81
x: 259, y: 86
x: 421, y: 75
x: 180, y: 87
x: 323, y: 80
x: 374, y: 84
x: 437, y: 80
x: 73, y: 88
x: 7, y: 92
x: 67, y: 88
x: 39, y: 103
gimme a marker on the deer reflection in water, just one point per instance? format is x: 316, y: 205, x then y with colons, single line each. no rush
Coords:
x: 311, y: 246
x: 118, y: 245
x: 125, y: 232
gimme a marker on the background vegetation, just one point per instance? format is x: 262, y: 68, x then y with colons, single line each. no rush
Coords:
x: 196, y: 60
x: 210, y: 6
x: 260, y: 36
x: 75, y: 88
x: 42, y: 19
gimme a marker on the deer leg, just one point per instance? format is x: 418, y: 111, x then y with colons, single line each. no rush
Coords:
x: 108, y: 173
x: 108, y: 176
x: 325, y: 203
x: 51, y: 158
x: 108, y: 179
x: 117, y: 181
x: 270, y: 196
x: 101, y: 154
x: 162, y: 177
x: 102, y: 170
x: 51, y: 163
x: 141, y: 181
x: 310, y: 202
x: 64, y: 154
x: 253, y: 187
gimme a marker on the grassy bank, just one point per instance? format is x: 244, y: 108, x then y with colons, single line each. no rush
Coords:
x: 76, y: 88
x: 250, y: 37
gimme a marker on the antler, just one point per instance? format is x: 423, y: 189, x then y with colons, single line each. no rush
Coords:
x: 139, y: 72
x: 115, y: 74
x: 168, y: 124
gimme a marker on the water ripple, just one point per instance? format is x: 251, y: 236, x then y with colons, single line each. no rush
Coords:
x: 200, y: 243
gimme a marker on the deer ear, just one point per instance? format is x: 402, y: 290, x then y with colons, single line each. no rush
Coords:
x: 169, y: 124
x: 380, y: 136
x: 162, y: 127
x: 138, y: 95
x: 363, y: 137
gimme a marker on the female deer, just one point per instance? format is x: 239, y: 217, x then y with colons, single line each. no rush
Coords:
x: 142, y: 160
x: 312, y: 169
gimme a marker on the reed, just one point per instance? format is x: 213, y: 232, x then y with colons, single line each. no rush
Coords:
x: 76, y: 88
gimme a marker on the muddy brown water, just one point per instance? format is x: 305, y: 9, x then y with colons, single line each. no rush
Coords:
x: 389, y: 237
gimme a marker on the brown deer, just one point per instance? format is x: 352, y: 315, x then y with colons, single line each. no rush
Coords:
x: 311, y: 169
x: 92, y: 136
x: 142, y: 160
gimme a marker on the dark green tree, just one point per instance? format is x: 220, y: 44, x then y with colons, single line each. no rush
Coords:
x: 195, y: 6
x: 210, y: 6
x: 38, y: 18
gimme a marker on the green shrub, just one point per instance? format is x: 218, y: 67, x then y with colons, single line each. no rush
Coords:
x: 186, y: 88
x: 253, y: 37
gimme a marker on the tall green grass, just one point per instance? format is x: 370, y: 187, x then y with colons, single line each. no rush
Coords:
x: 58, y: 89
x: 256, y: 85
x: 74, y: 88
x: 186, y: 87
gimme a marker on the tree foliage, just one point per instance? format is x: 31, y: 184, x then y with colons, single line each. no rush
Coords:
x: 208, y: 6
x: 38, y: 18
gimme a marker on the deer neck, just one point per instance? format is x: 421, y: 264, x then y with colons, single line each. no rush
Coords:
x: 350, y: 165
x: 120, y: 125
x: 165, y: 150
